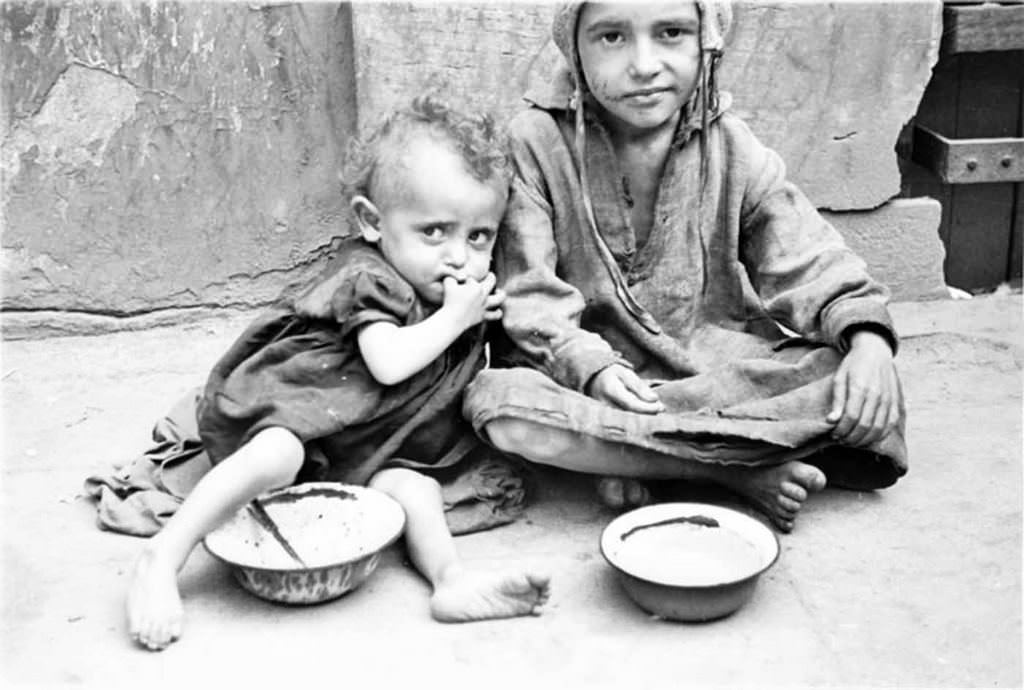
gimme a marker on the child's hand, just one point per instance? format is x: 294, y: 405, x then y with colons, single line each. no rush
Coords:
x: 472, y: 301
x: 619, y: 385
x: 866, y: 395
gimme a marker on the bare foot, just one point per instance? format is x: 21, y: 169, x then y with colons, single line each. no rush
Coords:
x: 622, y: 492
x: 154, y: 605
x: 778, y: 491
x: 465, y: 595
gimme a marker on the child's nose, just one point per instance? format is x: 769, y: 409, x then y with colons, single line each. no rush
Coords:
x: 644, y: 62
x: 455, y: 254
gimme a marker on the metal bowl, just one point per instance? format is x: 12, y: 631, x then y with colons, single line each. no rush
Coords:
x: 339, y: 531
x: 689, y: 561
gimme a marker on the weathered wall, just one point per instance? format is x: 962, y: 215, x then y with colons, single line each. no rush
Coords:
x: 184, y: 155
x: 828, y: 85
x: 169, y: 155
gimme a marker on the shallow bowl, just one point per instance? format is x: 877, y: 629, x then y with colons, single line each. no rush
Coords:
x: 339, y: 531
x: 689, y: 561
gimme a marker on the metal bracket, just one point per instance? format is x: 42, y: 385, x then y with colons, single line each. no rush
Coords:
x: 968, y: 161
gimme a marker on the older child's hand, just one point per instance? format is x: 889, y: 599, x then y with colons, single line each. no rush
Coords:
x: 619, y: 385
x: 866, y: 396
x: 472, y: 301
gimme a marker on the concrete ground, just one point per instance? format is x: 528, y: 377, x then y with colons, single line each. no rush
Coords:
x: 919, y: 585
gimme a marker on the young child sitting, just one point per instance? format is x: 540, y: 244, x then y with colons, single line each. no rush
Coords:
x: 651, y: 253
x: 384, y: 340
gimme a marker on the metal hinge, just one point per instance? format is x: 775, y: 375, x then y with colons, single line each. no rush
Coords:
x: 967, y: 161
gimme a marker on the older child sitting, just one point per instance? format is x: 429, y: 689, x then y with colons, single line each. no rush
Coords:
x: 654, y: 257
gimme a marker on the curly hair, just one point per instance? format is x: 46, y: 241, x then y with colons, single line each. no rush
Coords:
x: 476, y: 139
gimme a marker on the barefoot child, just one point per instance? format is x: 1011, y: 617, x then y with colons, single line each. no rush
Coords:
x: 651, y: 250
x: 389, y: 333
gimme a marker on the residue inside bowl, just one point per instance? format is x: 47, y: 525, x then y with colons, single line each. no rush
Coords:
x: 324, y: 528
x: 688, y: 552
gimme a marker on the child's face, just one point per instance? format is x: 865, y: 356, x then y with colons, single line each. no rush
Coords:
x: 436, y: 220
x: 640, y: 61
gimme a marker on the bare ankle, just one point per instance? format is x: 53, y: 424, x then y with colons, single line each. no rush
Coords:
x: 448, y: 573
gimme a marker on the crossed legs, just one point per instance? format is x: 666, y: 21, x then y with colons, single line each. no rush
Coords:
x: 779, y: 490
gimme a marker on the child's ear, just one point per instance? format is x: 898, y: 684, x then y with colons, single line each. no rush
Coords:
x: 367, y: 217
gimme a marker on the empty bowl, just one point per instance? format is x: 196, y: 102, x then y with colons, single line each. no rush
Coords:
x: 689, y: 561
x: 338, y: 530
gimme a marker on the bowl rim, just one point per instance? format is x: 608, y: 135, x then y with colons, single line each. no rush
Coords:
x: 691, y: 507
x: 307, y: 487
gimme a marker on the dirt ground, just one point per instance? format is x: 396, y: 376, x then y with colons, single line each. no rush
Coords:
x: 919, y: 585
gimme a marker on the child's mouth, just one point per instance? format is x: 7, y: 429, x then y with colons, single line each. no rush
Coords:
x: 645, y: 96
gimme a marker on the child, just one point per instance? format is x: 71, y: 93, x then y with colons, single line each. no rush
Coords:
x: 650, y: 252
x: 392, y: 328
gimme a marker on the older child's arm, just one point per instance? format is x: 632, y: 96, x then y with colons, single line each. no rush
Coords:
x: 811, y: 281
x: 393, y: 353
x: 542, y: 312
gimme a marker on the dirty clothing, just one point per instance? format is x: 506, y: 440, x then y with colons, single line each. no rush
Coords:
x: 738, y: 306
x: 298, y: 366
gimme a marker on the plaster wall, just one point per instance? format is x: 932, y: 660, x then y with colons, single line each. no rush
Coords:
x: 175, y: 157
x: 169, y: 154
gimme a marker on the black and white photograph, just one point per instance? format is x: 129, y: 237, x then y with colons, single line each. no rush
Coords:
x: 503, y: 344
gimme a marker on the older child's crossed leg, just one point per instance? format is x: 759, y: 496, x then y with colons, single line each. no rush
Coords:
x: 460, y: 593
x: 779, y: 490
x: 271, y: 459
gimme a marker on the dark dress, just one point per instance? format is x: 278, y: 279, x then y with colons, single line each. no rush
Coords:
x: 298, y: 366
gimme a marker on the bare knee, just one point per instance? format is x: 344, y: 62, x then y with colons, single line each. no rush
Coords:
x: 399, y: 483
x: 279, y: 456
x: 530, y: 440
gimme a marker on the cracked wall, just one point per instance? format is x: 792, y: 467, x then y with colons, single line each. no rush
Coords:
x: 185, y: 155
x: 828, y: 85
x: 170, y: 155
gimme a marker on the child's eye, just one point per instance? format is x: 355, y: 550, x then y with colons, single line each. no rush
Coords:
x: 612, y: 38
x: 433, y: 232
x: 675, y: 33
x: 480, y: 238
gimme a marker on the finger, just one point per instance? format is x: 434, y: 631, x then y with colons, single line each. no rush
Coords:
x: 449, y: 283
x: 638, y: 386
x: 879, y: 428
x: 489, y: 281
x: 494, y: 300
x: 498, y: 296
x: 838, y: 395
x: 893, y: 419
x: 622, y: 397
x: 493, y: 315
x: 629, y: 401
x: 851, y: 412
x: 863, y: 430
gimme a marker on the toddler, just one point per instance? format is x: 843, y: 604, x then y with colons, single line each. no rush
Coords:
x: 372, y: 355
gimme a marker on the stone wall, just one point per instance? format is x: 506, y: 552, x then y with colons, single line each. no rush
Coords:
x: 173, y: 157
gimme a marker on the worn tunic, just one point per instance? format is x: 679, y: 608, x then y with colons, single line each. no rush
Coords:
x: 753, y: 293
x: 298, y: 366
